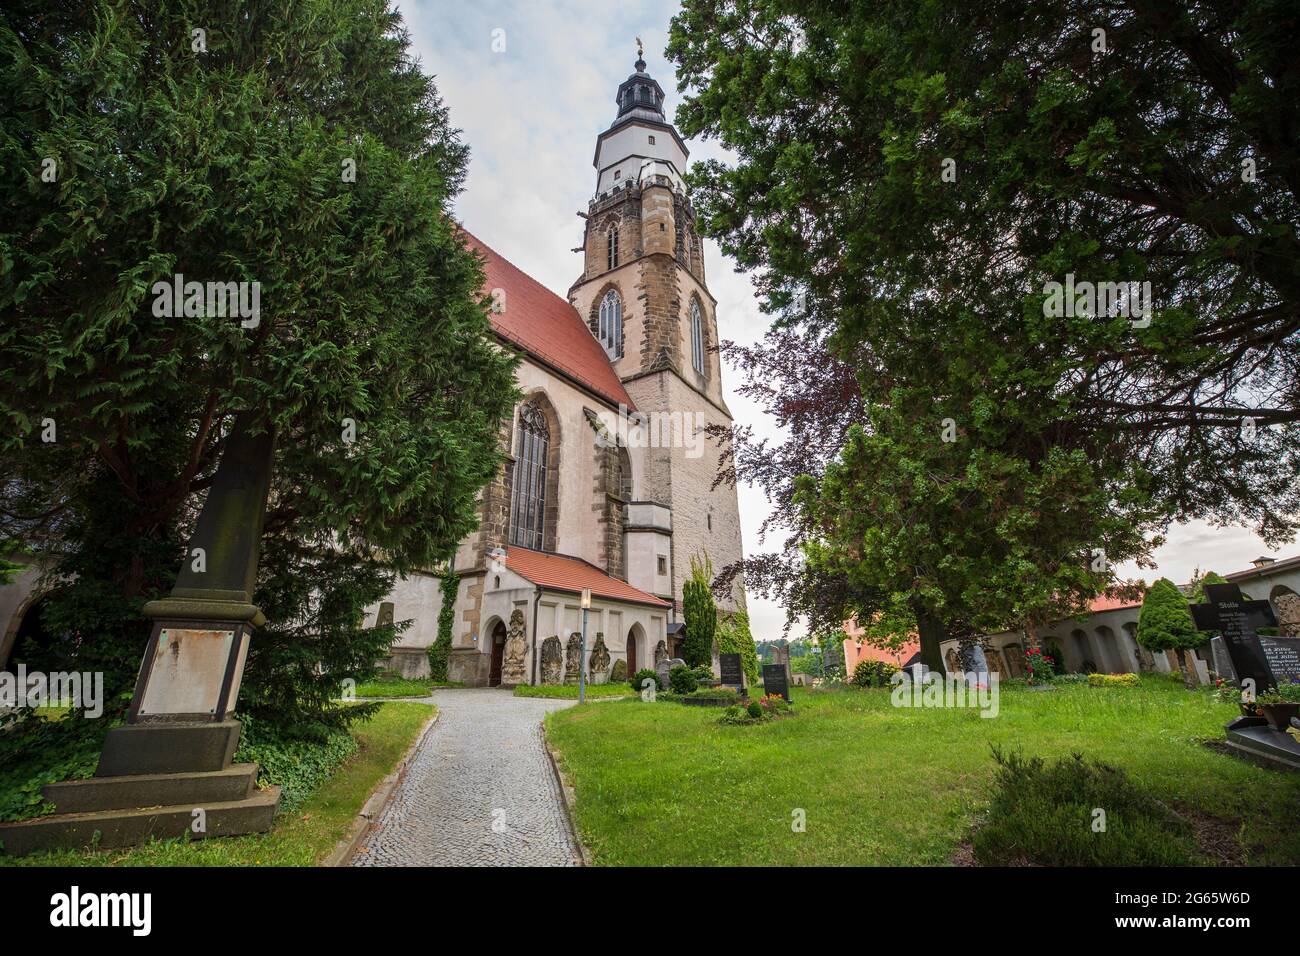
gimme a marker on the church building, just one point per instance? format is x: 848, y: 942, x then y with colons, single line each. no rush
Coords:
x: 609, y: 480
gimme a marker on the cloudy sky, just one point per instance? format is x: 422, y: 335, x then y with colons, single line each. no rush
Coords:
x: 531, y: 83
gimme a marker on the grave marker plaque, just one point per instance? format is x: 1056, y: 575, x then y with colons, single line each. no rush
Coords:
x: 775, y: 680
x: 1283, y: 654
x: 733, y: 675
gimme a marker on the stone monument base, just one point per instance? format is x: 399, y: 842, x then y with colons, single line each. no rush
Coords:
x: 1255, y: 738
x: 151, y: 780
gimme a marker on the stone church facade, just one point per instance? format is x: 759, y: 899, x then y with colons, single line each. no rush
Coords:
x: 608, y: 478
x: 608, y: 482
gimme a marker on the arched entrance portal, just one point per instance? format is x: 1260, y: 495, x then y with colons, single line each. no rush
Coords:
x: 29, y: 642
x: 498, y: 654
x: 636, y: 640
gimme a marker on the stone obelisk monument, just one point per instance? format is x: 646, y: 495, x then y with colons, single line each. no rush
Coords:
x: 168, y: 770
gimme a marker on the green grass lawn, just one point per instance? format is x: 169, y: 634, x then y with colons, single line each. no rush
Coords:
x: 301, y: 838
x: 662, y: 784
x: 393, y: 686
x: 570, y: 691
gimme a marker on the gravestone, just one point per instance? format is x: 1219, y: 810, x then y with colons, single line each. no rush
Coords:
x: 733, y: 672
x: 1222, y: 660
x: 1227, y: 611
x: 664, y: 666
x: 1283, y: 655
x: 512, y: 667
x: 776, y: 680
x: 552, y: 661
x: 175, y: 751
x: 598, y: 661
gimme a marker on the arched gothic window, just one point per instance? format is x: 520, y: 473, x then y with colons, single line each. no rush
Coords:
x: 611, y: 247
x: 697, y: 337
x: 610, y: 325
x: 528, y: 504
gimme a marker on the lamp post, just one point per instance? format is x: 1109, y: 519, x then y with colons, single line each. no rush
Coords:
x: 582, y: 648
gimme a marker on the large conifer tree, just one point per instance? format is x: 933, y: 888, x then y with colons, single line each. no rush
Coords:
x: 298, y: 147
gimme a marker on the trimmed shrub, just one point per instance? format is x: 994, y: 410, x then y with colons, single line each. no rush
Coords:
x: 1165, y: 623
x: 734, y: 637
x: 1044, y: 815
x: 1113, y: 680
x: 873, y: 673
x: 700, y: 613
x: 682, y: 680
x: 714, y: 693
x: 754, y: 709
x: 638, y: 682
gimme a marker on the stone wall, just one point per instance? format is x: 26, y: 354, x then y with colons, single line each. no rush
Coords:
x: 705, y: 518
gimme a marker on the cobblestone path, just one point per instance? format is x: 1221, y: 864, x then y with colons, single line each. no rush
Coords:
x: 480, y: 792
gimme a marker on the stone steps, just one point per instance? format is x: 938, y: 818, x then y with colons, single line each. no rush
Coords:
x: 130, y: 826
x: 196, y: 789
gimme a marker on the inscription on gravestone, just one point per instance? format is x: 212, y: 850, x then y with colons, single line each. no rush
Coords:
x: 733, y: 675
x: 1283, y: 654
x: 775, y: 680
x: 1226, y: 610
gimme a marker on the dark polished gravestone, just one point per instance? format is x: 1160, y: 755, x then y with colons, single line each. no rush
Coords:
x: 776, y: 680
x: 1282, y: 654
x: 1226, y: 610
x: 733, y: 673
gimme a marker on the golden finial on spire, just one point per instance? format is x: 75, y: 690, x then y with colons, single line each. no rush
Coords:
x: 640, y: 48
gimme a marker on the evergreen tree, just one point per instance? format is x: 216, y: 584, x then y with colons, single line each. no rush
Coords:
x: 300, y: 149
x: 700, y: 612
x: 908, y: 180
x: 1165, y: 623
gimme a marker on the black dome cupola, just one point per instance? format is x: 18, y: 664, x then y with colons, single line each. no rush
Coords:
x: 640, y: 97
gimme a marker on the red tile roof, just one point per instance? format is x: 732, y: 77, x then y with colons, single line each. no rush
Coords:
x: 547, y: 327
x: 1105, y: 602
x: 563, y: 573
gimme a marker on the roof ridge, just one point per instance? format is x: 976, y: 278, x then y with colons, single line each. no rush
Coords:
x: 551, y: 329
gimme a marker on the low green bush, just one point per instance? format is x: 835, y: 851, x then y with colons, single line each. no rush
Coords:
x: 1070, y: 679
x: 638, y: 681
x: 1113, y: 680
x: 873, y: 673
x: 1076, y: 812
x: 714, y: 693
x: 36, y: 749
x: 682, y: 679
x: 297, y: 765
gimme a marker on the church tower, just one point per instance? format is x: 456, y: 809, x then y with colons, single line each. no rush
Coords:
x: 644, y: 297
